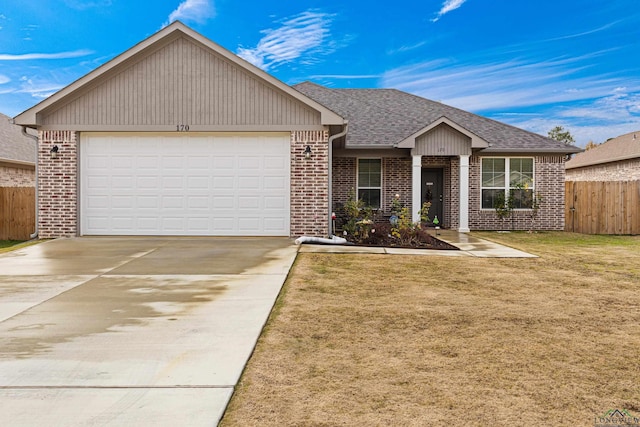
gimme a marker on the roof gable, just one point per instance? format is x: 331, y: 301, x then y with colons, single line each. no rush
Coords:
x: 623, y: 147
x: 476, y: 141
x: 175, y: 77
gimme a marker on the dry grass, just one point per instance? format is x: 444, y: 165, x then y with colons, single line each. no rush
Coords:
x: 410, y: 340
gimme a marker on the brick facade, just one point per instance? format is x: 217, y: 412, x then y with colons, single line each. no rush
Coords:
x: 549, y: 182
x: 344, y: 179
x: 396, y: 179
x: 624, y: 170
x: 58, y: 185
x: 309, y: 184
x: 17, y: 176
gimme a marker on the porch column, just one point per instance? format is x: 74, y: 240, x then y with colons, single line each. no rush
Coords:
x: 416, y: 188
x: 464, y: 194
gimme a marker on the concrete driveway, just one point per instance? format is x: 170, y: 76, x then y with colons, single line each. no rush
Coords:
x: 132, y: 331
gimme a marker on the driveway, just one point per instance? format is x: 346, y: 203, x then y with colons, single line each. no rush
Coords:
x: 132, y: 331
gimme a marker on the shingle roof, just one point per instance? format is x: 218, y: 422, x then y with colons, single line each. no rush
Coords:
x: 621, y: 148
x: 385, y: 117
x: 13, y: 144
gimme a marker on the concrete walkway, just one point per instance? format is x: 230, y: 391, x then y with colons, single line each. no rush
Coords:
x: 132, y: 331
x: 468, y: 245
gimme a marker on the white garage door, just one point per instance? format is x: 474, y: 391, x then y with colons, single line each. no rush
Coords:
x: 194, y: 184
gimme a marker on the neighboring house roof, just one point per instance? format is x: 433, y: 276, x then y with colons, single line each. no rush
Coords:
x: 382, y: 118
x: 29, y: 117
x: 14, y: 146
x: 623, y: 147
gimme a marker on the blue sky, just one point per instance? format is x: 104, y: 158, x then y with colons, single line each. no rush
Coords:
x: 532, y: 64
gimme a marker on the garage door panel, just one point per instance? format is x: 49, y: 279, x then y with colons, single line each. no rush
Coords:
x: 223, y: 202
x: 273, y: 224
x: 249, y: 183
x: 148, y: 224
x: 248, y: 202
x: 195, y: 184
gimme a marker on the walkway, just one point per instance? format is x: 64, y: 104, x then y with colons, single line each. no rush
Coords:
x: 468, y: 244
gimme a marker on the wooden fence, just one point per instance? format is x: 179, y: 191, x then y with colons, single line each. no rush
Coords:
x: 594, y: 207
x: 17, y: 213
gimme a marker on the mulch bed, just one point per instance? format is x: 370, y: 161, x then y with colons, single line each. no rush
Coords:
x: 419, y: 239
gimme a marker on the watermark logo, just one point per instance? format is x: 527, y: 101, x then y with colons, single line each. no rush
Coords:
x: 617, y: 417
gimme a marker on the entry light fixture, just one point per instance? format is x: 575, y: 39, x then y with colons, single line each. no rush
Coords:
x: 307, y: 152
x: 54, y: 152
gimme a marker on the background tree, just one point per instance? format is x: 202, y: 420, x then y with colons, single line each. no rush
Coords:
x: 590, y: 145
x: 559, y: 134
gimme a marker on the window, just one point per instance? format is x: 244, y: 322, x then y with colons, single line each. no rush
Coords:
x: 370, y: 181
x: 495, y: 186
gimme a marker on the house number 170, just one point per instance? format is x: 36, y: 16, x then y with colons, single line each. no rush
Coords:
x: 182, y: 128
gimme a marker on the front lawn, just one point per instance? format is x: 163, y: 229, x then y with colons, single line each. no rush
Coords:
x: 414, y: 340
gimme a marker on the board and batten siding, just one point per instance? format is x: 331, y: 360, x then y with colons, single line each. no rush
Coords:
x: 443, y: 140
x: 180, y: 83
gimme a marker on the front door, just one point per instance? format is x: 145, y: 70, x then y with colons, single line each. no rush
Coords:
x: 432, y: 191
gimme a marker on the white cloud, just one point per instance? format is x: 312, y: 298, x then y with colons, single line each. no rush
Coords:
x: 32, y: 56
x: 303, y: 34
x: 448, y: 6
x: 501, y: 83
x: 532, y: 93
x: 194, y: 11
x: 593, y: 120
x: 39, y: 89
x: 4, y: 79
x: 345, y: 76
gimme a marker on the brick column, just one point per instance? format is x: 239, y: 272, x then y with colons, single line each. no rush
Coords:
x: 57, y: 184
x: 309, y: 184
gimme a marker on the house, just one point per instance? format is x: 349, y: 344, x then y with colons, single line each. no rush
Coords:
x: 178, y: 136
x: 423, y: 151
x: 17, y: 156
x: 618, y: 159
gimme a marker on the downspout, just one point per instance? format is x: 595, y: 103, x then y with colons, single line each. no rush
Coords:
x: 36, y: 139
x: 330, y: 173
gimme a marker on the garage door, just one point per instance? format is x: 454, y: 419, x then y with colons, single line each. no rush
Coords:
x: 187, y: 184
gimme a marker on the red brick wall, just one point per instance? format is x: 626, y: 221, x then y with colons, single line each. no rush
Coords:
x: 57, y: 182
x: 309, y: 184
x: 549, y: 182
x: 396, y: 179
x: 344, y: 179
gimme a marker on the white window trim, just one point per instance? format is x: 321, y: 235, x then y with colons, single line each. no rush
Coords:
x: 507, y: 187
x: 358, y: 188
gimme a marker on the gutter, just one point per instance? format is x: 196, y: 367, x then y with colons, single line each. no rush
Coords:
x: 330, y: 174
x: 569, y: 150
x: 36, y: 139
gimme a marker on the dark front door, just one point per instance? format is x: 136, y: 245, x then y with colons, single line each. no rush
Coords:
x: 432, y: 191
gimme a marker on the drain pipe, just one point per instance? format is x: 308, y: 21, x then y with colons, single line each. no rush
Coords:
x: 36, y: 139
x: 330, y: 173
